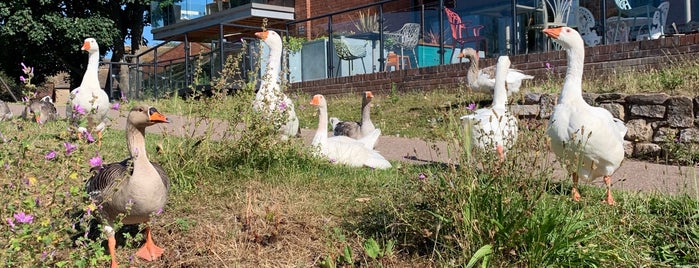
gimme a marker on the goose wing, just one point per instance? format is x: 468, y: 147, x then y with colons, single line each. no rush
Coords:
x: 106, y: 177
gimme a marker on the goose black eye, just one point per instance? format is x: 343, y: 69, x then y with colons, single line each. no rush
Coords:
x: 140, y: 109
x: 152, y: 110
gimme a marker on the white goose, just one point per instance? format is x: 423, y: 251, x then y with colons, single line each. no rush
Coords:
x: 357, y: 130
x: 483, y: 80
x: 494, y: 127
x: 134, y: 187
x: 587, y: 140
x: 269, y: 97
x: 89, y: 95
x: 343, y: 149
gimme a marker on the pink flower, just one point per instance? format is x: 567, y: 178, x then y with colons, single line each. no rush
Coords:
x: 89, y: 137
x: 422, y: 176
x: 471, y: 107
x: 50, y: 155
x: 96, y: 161
x: 282, y: 106
x: 21, y: 78
x: 78, y: 109
x: 21, y: 217
x: 69, y: 147
x: 115, y: 106
x: 10, y: 222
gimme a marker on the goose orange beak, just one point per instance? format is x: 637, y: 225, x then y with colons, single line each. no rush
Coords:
x: 316, y: 100
x: 157, y: 117
x: 262, y: 35
x: 369, y: 94
x: 86, y: 46
x: 552, y: 32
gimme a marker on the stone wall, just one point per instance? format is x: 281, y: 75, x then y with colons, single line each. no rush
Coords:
x: 651, y: 119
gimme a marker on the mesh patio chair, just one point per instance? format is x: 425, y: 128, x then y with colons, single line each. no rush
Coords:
x: 406, y: 38
x: 349, y: 52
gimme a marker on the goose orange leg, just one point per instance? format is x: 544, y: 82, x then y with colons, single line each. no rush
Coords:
x: 574, y: 192
x: 608, y: 182
x: 149, y: 251
x: 501, y: 152
x: 111, y: 243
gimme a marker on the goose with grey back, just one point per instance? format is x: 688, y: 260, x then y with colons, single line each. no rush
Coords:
x: 357, y: 130
x: 483, y: 79
x: 89, y: 103
x: 135, y: 188
x: 270, y: 99
x: 41, y: 110
x: 587, y: 140
x: 343, y: 149
x: 494, y: 127
x: 5, y: 112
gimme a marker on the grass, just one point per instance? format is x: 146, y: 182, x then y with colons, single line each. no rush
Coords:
x: 255, y: 202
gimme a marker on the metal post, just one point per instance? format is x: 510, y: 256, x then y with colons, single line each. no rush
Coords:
x: 331, y: 48
x: 220, y: 45
x: 441, y: 35
x: 155, y: 71
x: 515, y: 30
x: 603, y: 22
x: 382, y: 60
x: 187, y: 74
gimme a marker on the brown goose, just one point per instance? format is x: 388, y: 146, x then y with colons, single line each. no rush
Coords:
x: 357, y: 130
x: 134, y: 187
x: 42, y: 110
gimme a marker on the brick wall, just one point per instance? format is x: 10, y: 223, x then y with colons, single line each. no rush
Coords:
x: 599, y: 61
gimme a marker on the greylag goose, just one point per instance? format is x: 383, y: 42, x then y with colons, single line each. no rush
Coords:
x: 586, y: 139
x: 88, y: 102
x: 357, y: 130
x: 343, y: 149
x: 135, y: 187
x: 270, y: 98
x: 5, y: 112
x: 483, y: 80
x: 494, y: 127
x: 41, y: 110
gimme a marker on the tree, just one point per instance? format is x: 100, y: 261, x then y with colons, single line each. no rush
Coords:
x: 48, y: 34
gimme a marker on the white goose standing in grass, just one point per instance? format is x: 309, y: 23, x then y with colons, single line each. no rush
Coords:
x: 494, y: 127
x: 269, y: 97
x: 356, y: 130
x: 89, y: 96
x: 483, y: 80
x: 343, y: 149
x: 587, y: 139
x: 135, y: 187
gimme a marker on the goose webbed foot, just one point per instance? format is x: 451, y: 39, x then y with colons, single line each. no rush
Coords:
x: 149, y: 251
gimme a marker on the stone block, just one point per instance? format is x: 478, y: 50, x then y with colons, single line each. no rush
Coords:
x: 611, y: 97
x: 680, y: 112
x: 546, y: 104
x: 659, y: 98
x: 628, y: 148
x: 617, y: 110
x: 689, y: 135
x: 532, y: 98
x: 638, y: 131
x: 525, y: 110
x: 590, y: 98
x: 665, y: 134
x: 650, y: 111
x: 647, y: 149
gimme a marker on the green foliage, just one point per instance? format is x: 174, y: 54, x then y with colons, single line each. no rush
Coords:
x: 294, y: 43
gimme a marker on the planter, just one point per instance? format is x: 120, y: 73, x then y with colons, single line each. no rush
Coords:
x: 427, y: 54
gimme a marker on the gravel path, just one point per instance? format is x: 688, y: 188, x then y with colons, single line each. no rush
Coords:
x: 633, y: 175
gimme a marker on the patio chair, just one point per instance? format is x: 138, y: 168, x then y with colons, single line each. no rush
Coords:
x: 586, y: 25
x: 349, y: 52
x: 640, y: 12
x: 406, y: 38
x: 617, y: 30
x: 657, y: 28
x: 463, y: 33
x: 555, y: 14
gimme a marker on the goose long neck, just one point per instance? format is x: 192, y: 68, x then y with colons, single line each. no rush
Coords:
x: 366, y: 111
x: 136, y: 142
x: 91, y: 72
x: 321, y: 136
x: 472, y: 73
x: 500, y: 91
x: 274, y: 64
x: 572, y: 88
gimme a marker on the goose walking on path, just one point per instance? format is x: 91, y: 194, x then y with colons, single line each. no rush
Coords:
x: 89, y: 104
x: 41, y: 110
x: 494, y: 127
x: 357, y: 130
x: 343, y: 149
x: 483, y: 80
x: 135, y: 187
x: 587, y: 139
x: 270, y: 99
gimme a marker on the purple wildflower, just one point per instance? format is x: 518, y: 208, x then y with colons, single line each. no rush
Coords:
x: 96, y: 161
x: 50, y: 155
x: 471, y: 107
x: 22, y: 217
x: 115, y: 106
x: 69, y: 147
x: 24, y: 67
x: 25, y: 99
x: 160, y: 211
x: 88, y: 136
x: 422, y: 176
x: 282, y: 106
x: 21, y: 78
x: 37, y: 202
x: 78, y: 109
x: 10, y: 222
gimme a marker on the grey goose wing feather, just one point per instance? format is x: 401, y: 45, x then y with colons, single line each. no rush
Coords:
x: 347, y: 128
x: 105, y: 176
